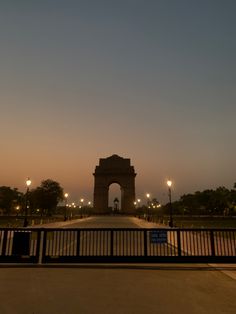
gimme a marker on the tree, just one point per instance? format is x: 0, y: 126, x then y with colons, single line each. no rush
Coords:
x: 9, y: 198
x: 46, y: 196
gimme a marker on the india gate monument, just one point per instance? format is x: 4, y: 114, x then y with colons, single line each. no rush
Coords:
x: 114, y: 169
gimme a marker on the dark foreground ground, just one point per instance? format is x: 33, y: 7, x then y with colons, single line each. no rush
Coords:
x: 116, y: 289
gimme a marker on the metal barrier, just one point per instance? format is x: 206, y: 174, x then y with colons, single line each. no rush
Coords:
x: 104, y: 245
x: 139, y: 246
x: 19, y: 245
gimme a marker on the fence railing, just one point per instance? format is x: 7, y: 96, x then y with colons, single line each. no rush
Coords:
x: 28, y: 245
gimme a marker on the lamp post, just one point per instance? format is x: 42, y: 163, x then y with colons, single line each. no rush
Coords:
x: 72, y: 206
x: 82, y: 206
x: 82, y: 202
x: 116, y: 205
x: 138, y: 201
x: 169, y: 183
x: 28, y: 183
x: 66, y: 197
x: 148, y: 205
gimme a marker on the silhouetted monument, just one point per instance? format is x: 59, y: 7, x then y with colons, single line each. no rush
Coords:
x: 114, y: 169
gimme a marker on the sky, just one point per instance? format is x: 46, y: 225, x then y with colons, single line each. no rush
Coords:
x: 149, y: 80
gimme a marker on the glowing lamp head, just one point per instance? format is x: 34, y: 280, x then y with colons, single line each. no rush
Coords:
x: 169, y: 183
x: 28, y: 182
x: 81, y: 200
x: 148, y: 195
x: 66, y: 195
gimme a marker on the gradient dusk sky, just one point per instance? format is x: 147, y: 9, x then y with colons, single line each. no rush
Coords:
x: 150, y: 80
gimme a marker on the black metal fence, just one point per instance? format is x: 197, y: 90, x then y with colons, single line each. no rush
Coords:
x: 117, y: 245
x: 19, y: 245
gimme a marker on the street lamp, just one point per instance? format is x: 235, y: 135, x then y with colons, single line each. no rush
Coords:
x: 169, y: 183
x: 82, y: 202
x: 17, y: 210
x: 148, y: 199
x: 116, y: 204
x: 28, y: 183
x: 71, y: 212
x: 139, y: 201
x: 148, y: 204
x: 66, y: 197
x: 82, y: 206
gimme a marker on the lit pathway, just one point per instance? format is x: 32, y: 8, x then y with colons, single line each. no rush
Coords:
x: 102, y: 222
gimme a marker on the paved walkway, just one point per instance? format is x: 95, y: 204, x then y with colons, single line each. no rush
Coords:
x: 116, y: 290
x: 103, y: 222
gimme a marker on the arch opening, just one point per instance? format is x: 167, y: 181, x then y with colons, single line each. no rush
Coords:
x: 114, y: 197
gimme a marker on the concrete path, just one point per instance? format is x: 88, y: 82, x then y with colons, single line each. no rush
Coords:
x: 116, y: 290
x: 103, y: 222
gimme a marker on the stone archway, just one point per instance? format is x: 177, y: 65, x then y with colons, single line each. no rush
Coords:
x: 114, y: 169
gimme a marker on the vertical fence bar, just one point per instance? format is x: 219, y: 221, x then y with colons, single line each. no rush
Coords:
x: 212, y: 243
x: 111, y: 243
x: 38, y: 245
x: 178, y: 243
x: 78, y: 243
x: 4, y: 244
x: 44, y: 246
x: 145, y: 242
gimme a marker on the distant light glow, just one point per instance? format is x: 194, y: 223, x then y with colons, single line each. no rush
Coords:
x: 169, y: 183
x: 28, y: 182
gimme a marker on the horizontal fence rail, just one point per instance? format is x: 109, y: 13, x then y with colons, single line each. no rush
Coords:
x: 25, y: 245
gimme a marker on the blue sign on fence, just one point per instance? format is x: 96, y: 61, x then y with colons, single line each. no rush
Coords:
x: 158, y: 236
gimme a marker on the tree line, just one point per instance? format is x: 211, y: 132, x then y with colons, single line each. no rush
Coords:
x: 221, y: 201
x: 45, y: 198
x: 42, y: 200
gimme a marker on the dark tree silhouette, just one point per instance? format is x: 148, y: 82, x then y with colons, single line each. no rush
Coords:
x: 9, y: 198
x: 46, y: 196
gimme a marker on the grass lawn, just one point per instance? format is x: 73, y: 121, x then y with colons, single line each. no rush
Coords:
x: 205, y: 222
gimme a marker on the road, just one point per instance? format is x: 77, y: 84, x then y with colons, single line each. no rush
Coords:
x: 102, y: 222
x: 110, y: 222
